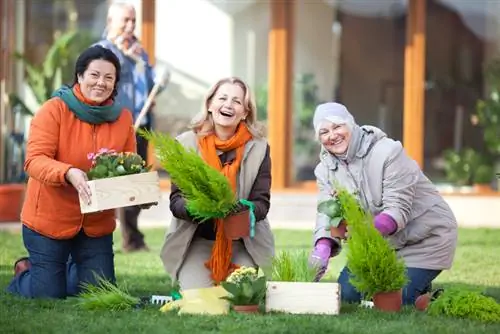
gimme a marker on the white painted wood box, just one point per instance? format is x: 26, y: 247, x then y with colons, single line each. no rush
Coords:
x: 303, y: 298
x: 122, y: 191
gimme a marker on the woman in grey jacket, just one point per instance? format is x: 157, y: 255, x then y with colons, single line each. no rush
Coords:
x: 406, y: 206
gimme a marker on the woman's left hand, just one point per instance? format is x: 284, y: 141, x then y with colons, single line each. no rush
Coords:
x: 147, y: 205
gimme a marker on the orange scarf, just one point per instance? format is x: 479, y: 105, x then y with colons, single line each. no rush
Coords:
x: 220, y: 260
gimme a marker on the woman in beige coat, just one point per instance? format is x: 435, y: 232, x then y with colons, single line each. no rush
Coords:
x: 227, y: 136
x: 406, y: 206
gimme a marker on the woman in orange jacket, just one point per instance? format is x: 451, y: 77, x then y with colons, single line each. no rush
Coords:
x: 76, y: 121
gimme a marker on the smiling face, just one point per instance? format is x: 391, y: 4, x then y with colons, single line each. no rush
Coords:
x: 98, y: 81
x: 227, y: 106
x: 334, y: 137
x: 122, y: 21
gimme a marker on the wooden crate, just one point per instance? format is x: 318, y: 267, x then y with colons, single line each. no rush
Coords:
x: 122, y: 191
x: 303, y: 298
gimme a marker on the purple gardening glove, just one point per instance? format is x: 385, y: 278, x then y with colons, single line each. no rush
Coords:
x: 320, y: 257
x: 385, y: 224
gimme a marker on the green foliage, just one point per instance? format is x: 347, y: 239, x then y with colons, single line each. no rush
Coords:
x: 245, y: 287
x: 108, y: 163
x: 208, y: 193
x: 484, y: 174
x: 488, y: 110
x: 292, y: 266
x: 466, y: 167
x: 56, y: 69
x: 333, y: 210
x: 464, y: 303
x: 105, y: 296
x: 372, y: 261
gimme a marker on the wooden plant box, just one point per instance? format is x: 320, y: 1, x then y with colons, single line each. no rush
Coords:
x: 303, y: 298
x: 122, y: 191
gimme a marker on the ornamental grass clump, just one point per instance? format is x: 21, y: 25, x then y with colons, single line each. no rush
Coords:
x: 292, y: 266
x: 207, y: 191
x: 105, y: 296
x: 372, y: 261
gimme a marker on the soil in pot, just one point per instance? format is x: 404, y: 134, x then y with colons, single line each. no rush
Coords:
x: 11, y: 201
x: 237, y: 225
x: 339, y: 231
x: 388, y: 301
x: 246, y: 308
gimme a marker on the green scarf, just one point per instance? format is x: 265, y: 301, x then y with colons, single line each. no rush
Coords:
x: 85, y: 112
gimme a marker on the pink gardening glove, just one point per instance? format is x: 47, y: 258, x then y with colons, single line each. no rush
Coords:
x: 385, y: 224
x: 321, y: 256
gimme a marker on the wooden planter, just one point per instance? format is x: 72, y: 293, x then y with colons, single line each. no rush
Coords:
x: 237, y: 225
x: 123, y: 191
x: 303, y: 298
x: 11, y: 202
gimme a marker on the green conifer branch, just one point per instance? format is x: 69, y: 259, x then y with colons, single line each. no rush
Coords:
x: 207, y: 191
x: 373, y: 262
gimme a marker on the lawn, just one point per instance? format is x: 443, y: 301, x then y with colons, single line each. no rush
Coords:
x: 476, y: 264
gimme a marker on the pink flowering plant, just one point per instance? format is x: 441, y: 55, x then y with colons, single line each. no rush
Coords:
x: 109, y: 163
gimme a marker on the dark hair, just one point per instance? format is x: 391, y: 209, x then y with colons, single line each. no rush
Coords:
x: 94, y: 53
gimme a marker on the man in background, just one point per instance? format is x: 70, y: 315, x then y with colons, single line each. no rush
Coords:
x: 137, y: 79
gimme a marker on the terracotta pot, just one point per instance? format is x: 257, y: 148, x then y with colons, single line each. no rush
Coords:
x: 237, y: 225
x: 11, y: 201
x: 388, y: 301
x: 246, y: 308
x: 339, y: 231
x: 482, y: 188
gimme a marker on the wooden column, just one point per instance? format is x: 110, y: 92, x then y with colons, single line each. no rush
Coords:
x: 414, y: 81
x: 148, y: 32
x: 280, y: 107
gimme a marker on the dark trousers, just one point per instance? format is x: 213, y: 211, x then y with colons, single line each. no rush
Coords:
x: 52, y: 275
x: 132, y: 238
x: 419, y: 282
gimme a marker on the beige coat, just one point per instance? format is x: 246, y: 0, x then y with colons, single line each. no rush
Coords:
x: 181, y: 232
x: 389, y: 181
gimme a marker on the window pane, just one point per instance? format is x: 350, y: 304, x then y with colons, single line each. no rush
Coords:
x: 352, y: 54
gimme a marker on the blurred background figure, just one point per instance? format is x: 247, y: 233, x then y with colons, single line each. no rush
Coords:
x: 137, y: 81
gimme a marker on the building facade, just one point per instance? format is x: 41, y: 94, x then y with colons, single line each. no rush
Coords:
x: 415, y: 68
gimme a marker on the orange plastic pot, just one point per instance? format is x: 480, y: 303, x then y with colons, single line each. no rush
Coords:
x: 11, y: 201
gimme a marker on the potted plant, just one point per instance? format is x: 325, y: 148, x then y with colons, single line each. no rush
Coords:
x: 292, y: 288
x: 333, y: 210
x: 119, y: 179
x: 246, y: 289
x: 376, y: 270
x: 207, y: 192
x: 483, y: 175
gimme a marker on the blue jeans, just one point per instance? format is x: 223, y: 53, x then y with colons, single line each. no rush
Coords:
x: 419, y: 282
x: 52, y: 275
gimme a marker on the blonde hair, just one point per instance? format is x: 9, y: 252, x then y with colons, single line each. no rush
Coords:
x: 203, y: 124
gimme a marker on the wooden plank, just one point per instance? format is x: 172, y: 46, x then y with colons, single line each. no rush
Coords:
x: 280, y: 104
x: 123, y: 191
x: 303, y: 298
x: 414, y: 81
x: 148, y: 38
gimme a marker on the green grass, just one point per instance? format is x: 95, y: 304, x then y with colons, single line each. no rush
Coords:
x: 476, y: 264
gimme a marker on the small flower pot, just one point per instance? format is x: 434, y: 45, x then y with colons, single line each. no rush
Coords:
x: 339, y: 231
x: 237, y: 225
x: 11, y: 202
x: 388, y: 301
x: 246, y: 308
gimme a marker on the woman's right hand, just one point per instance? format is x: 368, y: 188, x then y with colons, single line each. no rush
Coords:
x: 78, y: 179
